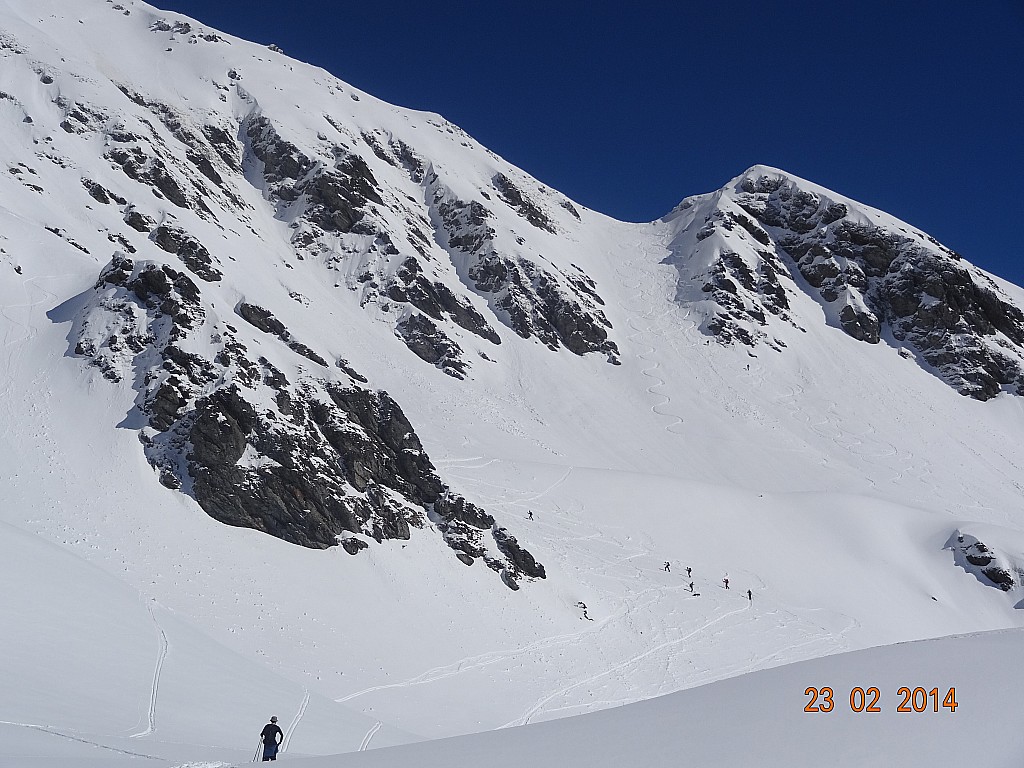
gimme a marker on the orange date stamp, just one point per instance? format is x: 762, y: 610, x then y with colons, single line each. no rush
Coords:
x: 870, y: 700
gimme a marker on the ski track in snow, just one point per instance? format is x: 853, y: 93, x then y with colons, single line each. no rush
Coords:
x: 295, y: 720
x: 476, y: 662
x: 369, y: 736
x: 634, y: 598
x: 646, y: 299
x: 79, y: 739
x: 538, y: 707
x: 155, y: 688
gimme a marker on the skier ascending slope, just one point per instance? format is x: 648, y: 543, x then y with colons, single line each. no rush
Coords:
x: 726, y: 582
x: 269, y: 736
x: 668, y: 566
x: 750, y: 596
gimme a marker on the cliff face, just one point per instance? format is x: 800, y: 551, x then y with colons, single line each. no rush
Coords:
x: 768, y: 235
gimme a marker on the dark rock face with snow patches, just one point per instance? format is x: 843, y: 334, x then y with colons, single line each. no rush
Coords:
x: 770, y: 236
x: 316, y: 462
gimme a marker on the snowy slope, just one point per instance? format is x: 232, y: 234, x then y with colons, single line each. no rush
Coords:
x: 213, y: 261
x: 759, y: 719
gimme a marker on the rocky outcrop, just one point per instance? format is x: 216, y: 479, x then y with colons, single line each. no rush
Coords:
x: 192, y: 253
x: 534, y: 302
x: 328, y: 462
x: 266, y: 322
x: 874, y: 282
x: 989, y: 565
x: 410, y: 285
x: 521, y: 203
x: 429, y: 343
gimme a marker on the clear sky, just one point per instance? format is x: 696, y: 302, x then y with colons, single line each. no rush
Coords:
x: 911, y: 106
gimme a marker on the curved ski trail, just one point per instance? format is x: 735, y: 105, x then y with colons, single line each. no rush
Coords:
x: 295, y: 720
x: 529, y: 714
x: 369, y: 736
x: 155, y: 688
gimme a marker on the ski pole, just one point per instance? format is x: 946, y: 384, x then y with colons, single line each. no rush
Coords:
x: 258, y: 747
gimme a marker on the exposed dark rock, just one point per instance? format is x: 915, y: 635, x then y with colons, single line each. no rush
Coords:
x: 962, y: 325
x: 192, y: 253
x: 860, y: 324
x: 100, y: 194
x: 353, y: 545
x: 344, y: 365
x: 225, y: 145
x: 150, y: 171
x: 522, y: 559
x: 266, y: 322
x: 430, y: 344
x: 437, y: 300
x: 139, y: 221
x: 530, y: 300
x: 522, y: 204
x: 989, y: 566
x: 1000, y: 577
x: 263, y: 319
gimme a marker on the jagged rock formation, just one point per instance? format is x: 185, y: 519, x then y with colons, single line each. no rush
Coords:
x: 875, y: 279
x: 316, y: 462
x: 557, y: 309
x: 989, y: 565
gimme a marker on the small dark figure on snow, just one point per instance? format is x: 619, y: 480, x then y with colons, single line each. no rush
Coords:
x: 668, y: 566
x: 529, y: 515
x: 272, y: 737
x: 583, y: 606
x: 750, y: 596
x: 691, y: 586
x: 688, y: 570
x: 726, y: 582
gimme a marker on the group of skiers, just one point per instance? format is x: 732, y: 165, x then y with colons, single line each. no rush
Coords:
x: 689, y: 572
x: 271, y: 737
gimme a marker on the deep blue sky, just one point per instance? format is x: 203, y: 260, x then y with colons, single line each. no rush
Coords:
x: 911, y: 106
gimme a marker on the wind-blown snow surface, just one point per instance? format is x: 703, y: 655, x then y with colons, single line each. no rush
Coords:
x: 828, y: 478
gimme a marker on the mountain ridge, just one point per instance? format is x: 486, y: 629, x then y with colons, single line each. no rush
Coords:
x: 237, y: 290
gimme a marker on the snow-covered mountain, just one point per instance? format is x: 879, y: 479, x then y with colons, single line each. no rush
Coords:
x: 234, y: 289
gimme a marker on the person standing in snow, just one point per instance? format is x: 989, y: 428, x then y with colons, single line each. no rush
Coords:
x: 668, y: 566
x: 726, y: 582
x: 750, y: 596
x: 529, y: 515
x: 688, y: 569
x: 271, y: 743
x: 691, y: 586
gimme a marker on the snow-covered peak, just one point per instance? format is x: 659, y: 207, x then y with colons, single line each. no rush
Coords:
x: 358, y: 400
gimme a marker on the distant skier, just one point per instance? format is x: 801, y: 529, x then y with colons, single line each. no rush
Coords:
x: 529, y: 515
x: 583, y: 605
x: 668, y: 566
x: 691, y: 586
x: 726, y: 582
x: 750, y: 596
x: 269, y: 736
x: 688, y: 569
